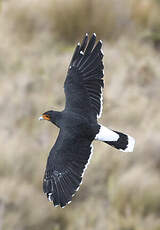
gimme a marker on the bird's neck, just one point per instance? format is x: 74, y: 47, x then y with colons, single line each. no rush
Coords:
x: 57, y: 116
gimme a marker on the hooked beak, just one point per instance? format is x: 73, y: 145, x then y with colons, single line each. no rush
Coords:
x: 44, y: 117
x: 40, y: 118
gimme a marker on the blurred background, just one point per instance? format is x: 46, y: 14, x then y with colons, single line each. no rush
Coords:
x: 120, y: 191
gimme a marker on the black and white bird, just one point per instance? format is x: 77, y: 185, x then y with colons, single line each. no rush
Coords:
x: 78, y: 124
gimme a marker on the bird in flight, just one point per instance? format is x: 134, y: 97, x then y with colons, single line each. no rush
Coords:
x: 78, y: 125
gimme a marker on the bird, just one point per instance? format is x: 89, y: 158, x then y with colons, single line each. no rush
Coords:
x: 78, y: 124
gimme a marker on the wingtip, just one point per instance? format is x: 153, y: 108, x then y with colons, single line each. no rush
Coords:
x: 81, y: 52
x: 102, y: 52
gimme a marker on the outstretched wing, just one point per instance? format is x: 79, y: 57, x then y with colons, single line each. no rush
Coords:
x: 84, y: 83
x: 65, y: 166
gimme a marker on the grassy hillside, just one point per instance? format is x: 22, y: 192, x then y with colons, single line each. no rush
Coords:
x: 120, y: 191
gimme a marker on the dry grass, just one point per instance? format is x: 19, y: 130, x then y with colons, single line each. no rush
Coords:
x: 109, y: 19
x: 120, y: 191
x: 77, y: 17
x: 68, y: 20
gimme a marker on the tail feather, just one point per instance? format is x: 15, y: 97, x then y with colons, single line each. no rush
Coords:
x: 118, y: 140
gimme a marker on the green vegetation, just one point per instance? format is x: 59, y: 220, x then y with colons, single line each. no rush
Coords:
x: 120, y: 191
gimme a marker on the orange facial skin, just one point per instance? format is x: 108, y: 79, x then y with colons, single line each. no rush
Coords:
x: 46, y: 117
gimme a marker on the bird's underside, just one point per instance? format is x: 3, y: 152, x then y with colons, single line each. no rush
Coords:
x: 78, y: 125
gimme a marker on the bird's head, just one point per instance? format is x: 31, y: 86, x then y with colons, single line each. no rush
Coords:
x: 47, y: 116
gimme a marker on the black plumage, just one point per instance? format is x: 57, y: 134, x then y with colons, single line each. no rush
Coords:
x: 83, y: 85
x: 78, y: 123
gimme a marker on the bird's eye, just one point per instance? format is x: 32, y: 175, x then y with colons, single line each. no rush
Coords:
x: 46, y: 117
